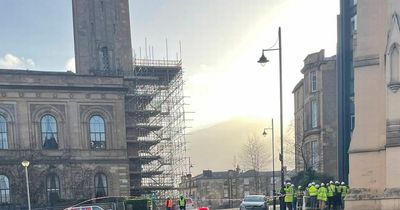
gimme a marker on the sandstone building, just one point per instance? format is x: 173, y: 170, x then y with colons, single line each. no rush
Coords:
x: 374, y: 148
x: 113, y: 128
x: 315, y: 115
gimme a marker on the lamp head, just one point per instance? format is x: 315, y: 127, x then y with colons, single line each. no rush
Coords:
x: 264, y: 132
x: 25, y: 163
x: 263, y: 60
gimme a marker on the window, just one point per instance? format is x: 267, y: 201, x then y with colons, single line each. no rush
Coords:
x: 53, y: 189
x: 97, y: 132
x: 3, y: 133
x: 105, y: 58
x: 100, y: 182
x: 352, y: 122
x: 49, y: 132
x: 394, y: 64
x: 4, y: 189
x: 314, y: 155
x: 353, y: 21
x: 246, y: 181
x: 314, y: 114
x: 313, y: 81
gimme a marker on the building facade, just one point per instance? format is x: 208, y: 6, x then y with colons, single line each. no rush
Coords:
x: 315, y: 119
x: 374, y: 148
x: 347, y: 34
x: 224, y: 189
x: 113, y: 128
x: 72, y: 130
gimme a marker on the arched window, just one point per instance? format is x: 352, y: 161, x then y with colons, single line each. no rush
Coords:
x: 3, y: 133
x: 53, y: 189
x: 4, y: 189
x: 394, y: 64
x: 97, y: 132
x: 48, y: 126
x: 100, y: 183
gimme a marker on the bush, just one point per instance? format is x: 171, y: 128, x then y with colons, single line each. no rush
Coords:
x: 303, y: 178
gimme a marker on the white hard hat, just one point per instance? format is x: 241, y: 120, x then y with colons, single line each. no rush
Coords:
x: 322, y: 184
x: 336, y: 182
x: 292, y: 185
x: 331, y: 182
x: 313, y: 183
x: 309, y: 184
x: 342, y: 183
x: 317, y: 185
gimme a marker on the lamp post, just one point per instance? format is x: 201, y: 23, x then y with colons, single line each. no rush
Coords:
x: 25, y: 164
x: 263, y: 60
x: 273, y: 162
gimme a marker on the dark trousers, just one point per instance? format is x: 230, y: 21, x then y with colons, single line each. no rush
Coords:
x: 182, y: 207
x: 313, y: 202
x: 289, y: 205
x: 331, y: 203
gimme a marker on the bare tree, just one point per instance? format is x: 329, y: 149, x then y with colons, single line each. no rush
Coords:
x: 254, y: 157
x: 254, y: 154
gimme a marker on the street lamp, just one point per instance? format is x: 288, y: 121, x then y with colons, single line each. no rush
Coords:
x: 25, y: 164
x: 263, y: 60
x: 273, y: 162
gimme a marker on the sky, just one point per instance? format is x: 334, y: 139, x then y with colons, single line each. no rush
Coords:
x: 221, y: 42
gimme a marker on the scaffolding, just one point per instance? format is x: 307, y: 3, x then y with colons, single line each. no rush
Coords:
x: 155, y: 126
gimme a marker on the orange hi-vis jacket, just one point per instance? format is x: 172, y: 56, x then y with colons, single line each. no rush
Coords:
x: 168, y: 203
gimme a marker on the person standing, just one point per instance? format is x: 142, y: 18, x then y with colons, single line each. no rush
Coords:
x: 294, y: 203
x: 322, y: 196
x: 313, y: 196
x: 182, y: 203
x: 299, y: 196
x: 331, y: 195
x: 168, y: 204
x: 338, y: 196
x: 288, y: 195
x: 345, y: 190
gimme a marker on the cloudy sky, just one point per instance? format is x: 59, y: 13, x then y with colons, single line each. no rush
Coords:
x: 221, y: 42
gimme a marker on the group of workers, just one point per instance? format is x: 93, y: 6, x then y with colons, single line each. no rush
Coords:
x: 169, y: 204
x: 322, y: 196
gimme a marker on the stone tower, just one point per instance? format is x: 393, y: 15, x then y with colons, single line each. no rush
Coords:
x: 102, y: 37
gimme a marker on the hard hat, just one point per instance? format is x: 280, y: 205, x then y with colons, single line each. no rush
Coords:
x: 331, y: 182
x: 313, y: 183
x: 317, y: 186
x: 292, y: 185
x: 322, y: 184
x: 342, y: 183
x: 299, y: 187
x: 309, y: 184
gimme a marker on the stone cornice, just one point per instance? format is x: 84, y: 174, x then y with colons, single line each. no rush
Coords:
x: 367, y: 60
x: 379, y: 149
x: 62, y: 87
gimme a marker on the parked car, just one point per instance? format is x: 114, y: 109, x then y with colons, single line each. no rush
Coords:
x: 85, y: 208
x: 254, y: 202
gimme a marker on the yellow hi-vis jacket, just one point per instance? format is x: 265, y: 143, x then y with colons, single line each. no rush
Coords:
x: 313, y: 190
x: 345, y: 190
x: 288, y: 194
x: 322, y: 194
x: 331, y: 190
